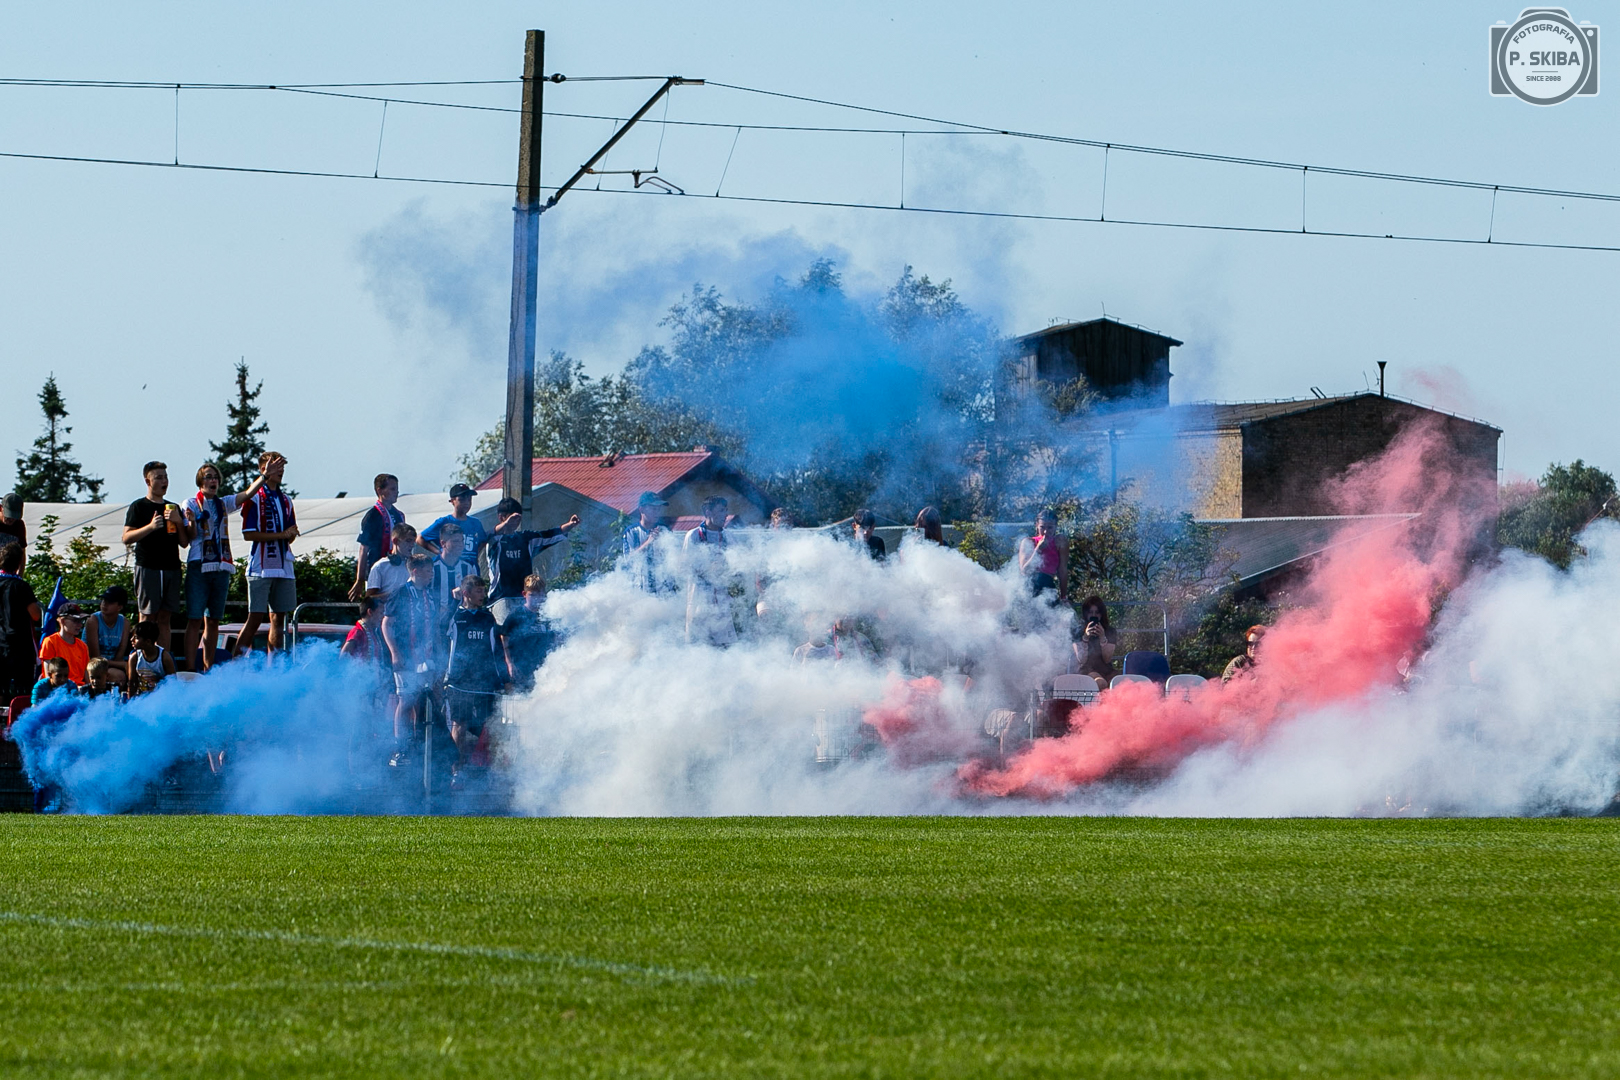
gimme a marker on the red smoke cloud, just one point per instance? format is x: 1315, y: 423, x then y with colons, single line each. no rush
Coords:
x: 1367, y: 604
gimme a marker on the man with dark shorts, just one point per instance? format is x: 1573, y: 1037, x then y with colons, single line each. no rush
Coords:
x: 19, y: 614
x: 157, y: 530
x: 474, y: 676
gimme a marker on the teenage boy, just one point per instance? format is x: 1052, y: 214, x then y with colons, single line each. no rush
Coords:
x: 19, y: 614
x: 268, y: 523
x: 526, y: 635
x: 157, y: 529
x: 390, y: 573
x: 472, y: 530
x: 450, y: 568
x: 708, y: 595
x: 209, y: 567
x: 512, y: 551
x: 53, y: 678
x: 640, y: 554
x: 376, y: 531
x: 407, y: 629
x: 68, y: 642
x: 475, y: 673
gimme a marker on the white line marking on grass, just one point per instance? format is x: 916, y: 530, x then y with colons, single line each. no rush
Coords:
x: 430, y: 947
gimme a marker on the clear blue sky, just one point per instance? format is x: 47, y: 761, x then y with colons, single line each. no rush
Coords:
x: 375, y: 312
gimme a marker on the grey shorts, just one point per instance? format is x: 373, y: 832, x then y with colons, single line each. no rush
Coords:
x: 156, y: 590
x: 206, y: 593
x: 277, y: 594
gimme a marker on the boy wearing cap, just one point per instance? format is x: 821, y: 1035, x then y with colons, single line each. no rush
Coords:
x: 68, y: 643
x: 640, y: 540
x: 474, y: 535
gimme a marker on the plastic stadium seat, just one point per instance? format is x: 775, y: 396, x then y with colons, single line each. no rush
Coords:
x: 1064, y: 685
x: 1121, y: 680
x: 1146, y: 663
x: 1184, y: 685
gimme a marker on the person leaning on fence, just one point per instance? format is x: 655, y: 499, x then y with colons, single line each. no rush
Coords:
x: 1044, y: 559
x: 158, y: 531
x: 209, y: 566
x: 1244, y: 666
x: 475, y: 671
x: 19, y: 614
x: 377, y: 524
x: 640, y: 556
x: 512, y: 551
x: 708, y: 591
x: 1093, y: 641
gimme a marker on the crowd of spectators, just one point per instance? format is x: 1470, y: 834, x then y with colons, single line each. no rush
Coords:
x: 435, y: 633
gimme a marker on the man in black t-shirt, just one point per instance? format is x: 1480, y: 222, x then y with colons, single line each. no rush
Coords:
x: 158, y: 531
x: 511, y: 554
x: 19, y: 614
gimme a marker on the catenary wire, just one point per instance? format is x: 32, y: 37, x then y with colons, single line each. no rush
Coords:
x: 954, y: 126
x: 1005, y: 215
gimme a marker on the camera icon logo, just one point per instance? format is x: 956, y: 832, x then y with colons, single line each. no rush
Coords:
x: 1544, y: 57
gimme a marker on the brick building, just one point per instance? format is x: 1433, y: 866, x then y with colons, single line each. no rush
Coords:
x: 1272, y: 458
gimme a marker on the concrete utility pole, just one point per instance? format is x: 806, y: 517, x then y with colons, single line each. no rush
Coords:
x: 516, y: 476
x: 516, y: 482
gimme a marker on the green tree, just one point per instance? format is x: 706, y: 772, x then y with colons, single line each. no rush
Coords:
x: 47, y: 474
x: 238, y: 455
x: 1545, y: 518
x: 83, y: 566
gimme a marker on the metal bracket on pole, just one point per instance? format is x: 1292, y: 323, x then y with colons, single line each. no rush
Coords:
x: 587, y: 168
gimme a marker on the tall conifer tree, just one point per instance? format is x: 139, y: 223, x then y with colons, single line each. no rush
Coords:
x: 48, y: 474
x: 238, y: 455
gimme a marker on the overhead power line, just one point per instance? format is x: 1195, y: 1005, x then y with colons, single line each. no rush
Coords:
x: 940, y: 126
x: 1004, y: 215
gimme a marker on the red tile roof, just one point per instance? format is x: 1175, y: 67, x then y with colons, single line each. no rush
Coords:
x: 619, y: 486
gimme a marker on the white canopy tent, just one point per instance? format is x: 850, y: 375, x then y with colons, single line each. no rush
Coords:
x: 333, y: 524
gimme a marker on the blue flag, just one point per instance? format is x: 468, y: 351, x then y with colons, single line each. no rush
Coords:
x: 57, y: 600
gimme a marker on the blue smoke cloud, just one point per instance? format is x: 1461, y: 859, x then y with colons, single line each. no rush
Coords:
x: 287, y: 728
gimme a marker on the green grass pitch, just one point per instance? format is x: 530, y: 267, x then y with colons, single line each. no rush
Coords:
x: 222, y: 947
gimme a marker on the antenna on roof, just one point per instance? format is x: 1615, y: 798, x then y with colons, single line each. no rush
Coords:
x: 1317, y: 392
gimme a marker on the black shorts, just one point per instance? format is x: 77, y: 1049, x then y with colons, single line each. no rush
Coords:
x: 157, y: 590
x: 467, y: 709
x: 1039, y: 583
x: 17, y: 672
